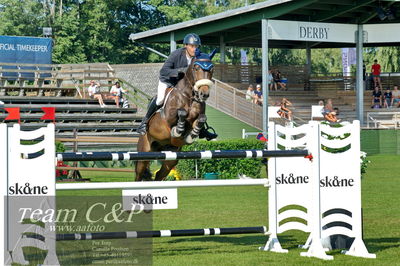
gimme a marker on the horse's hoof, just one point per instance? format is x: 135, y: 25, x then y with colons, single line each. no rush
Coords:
x: 190, y: 139
x: 175, y: 133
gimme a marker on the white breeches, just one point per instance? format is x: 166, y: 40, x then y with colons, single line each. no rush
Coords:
x: 161, y: 93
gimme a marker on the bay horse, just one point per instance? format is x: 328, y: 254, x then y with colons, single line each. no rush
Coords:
x: 180, y: 120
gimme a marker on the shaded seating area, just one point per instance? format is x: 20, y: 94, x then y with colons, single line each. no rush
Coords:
x: 64, y: 86
x: 52, y: 80
x: 77, y: 117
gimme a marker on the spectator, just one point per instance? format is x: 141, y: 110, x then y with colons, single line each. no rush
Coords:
x: 387, y: 98
x: 395, y: 97
x: 376, y: 74
x: 321, y: 103
x: 284, y: 111
x: 307, y: 85
x: 259, y: 95
x: 271, y: 80
x: 250, y: 95
x: 328, y: 106
x: 275, y: 78
x: 116, y: 92
x: 330, y: 113
x: 332, y: 116
x: 376, y: 98
x: 279, y: 81
x: 94, y: 92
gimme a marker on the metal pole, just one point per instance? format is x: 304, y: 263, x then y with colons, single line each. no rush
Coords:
x: 359, y: 75
x: 75, y: 164
x: 151, y: 49
x: 264, y: 45
x: 222, y: 49
x: 172, y: 42
x: 308, y: 59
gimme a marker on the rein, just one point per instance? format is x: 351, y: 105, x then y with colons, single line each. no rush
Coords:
x: 195, y: 94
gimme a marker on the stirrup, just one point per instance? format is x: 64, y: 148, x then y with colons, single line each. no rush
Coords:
x: 212, y: 129
x: 207, y: 127
x: 204, y: 133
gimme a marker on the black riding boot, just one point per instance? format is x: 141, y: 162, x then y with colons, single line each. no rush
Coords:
x: 151, y: 109
x: 204, y: 133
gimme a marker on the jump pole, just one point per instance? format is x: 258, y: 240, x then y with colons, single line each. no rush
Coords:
x: 163, y: 233
x: 163, y: 184
x: 169, y: 155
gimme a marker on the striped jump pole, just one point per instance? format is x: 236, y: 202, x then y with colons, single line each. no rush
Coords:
x: 163, y: 233
x: 169, y: 155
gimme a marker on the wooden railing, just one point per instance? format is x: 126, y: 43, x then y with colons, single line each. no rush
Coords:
x: 243, y: 75
x: 136, y: 96
x: 383, y: 120
x: 336, y: 81
x: 58, y: 79
x: 98, y: 140
x: 232, y: 101
x: 240, y: 76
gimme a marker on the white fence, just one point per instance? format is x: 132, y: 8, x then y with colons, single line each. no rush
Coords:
x: 383, y: 120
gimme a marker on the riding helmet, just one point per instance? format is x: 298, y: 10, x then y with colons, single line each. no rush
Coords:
x: 192, y: 38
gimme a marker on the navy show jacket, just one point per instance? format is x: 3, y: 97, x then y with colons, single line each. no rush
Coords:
x: 169, y: 71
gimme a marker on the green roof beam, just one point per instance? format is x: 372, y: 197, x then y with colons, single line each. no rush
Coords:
x: 236, y: 21
x: 336, y: 2
x: 239, y: 36
x: 233, y: 21
x: 322, y: 16
x: 368, y: 16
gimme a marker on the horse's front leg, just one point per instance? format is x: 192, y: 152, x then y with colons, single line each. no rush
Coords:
x: 142, y: 168
x: 165, y: 169
x: 179, y: 129
x: 197, y: 126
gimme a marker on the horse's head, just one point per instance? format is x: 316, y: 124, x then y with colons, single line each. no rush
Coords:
x: 202, y: 68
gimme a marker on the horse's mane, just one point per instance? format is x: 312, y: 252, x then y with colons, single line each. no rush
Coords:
x: 181, y: 85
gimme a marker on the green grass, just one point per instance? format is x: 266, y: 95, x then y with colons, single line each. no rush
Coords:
x: 226, y: 126
x: 247, y: 206
x: 381, y: 201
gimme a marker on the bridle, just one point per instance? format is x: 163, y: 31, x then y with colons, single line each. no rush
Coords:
x: 207, y: 66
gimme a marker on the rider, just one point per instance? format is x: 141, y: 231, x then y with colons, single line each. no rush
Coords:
x: 171, y: 72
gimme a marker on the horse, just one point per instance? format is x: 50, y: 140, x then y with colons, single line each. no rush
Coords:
x: 180, y: 120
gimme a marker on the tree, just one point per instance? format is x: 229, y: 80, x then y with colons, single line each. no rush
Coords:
x: 21, y: 18
x: 389, y: 58
x: 68, y: 47
x: 98, y: 31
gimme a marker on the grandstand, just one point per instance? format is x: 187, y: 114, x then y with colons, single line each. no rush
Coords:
x: 231, y: 82
x: 31, y: 87
x: 63, y: 87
